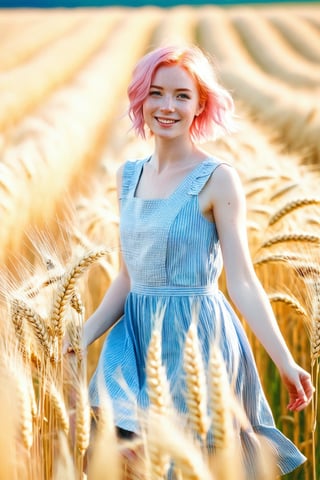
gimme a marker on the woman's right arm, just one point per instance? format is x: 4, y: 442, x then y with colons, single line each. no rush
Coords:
x: 111, y: 307
x: 109, y: 311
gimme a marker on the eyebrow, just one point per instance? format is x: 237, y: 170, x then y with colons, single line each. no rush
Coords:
x: 177, y: 89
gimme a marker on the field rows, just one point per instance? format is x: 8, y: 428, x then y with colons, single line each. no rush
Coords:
x: 63, y: 134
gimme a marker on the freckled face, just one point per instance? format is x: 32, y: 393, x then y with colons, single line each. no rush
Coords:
x: 172, y: 102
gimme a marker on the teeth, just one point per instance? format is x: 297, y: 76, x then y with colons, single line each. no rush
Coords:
x: 162, y: 120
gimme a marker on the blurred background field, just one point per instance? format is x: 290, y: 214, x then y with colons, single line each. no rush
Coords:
x: 63, y: 134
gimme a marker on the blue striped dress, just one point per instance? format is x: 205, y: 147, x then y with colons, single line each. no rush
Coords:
x: 173, y: 258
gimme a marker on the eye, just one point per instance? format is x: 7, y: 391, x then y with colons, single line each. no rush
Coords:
x: 154, y: 93
x: 184, y: 96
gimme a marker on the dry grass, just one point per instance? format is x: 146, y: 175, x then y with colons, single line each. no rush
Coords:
x: 62, y: 138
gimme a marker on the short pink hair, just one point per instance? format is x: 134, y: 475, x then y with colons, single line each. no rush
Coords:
x: 216, y: 118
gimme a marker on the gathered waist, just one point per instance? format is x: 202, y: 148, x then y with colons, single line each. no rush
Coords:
x: 174, y: 290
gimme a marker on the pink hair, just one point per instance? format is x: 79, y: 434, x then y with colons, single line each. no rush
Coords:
x: 216, y: 118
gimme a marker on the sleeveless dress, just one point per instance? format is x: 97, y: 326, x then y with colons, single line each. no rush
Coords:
x: 173, y: 258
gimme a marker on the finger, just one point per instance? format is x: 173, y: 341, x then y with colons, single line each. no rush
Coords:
x: 307, y: 385
x: 296, y: 405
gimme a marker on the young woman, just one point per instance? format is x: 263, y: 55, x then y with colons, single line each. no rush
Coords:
x: 182, y: 212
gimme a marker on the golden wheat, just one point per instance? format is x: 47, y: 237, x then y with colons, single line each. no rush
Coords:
x: 269, y: 49
x: 300, y: 34
x: 293, y: 205
x: 66, y: 290
x: 59, y: 406
x: 38, y: 324
x: 172, y: 441
x: 196, y: 383
x: 63, y: 140
x: 158, y: 391
x: 288, y: 300
x: 293, y: 237
x: 220, y: 396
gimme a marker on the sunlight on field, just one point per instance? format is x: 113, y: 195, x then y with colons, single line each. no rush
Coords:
x: 63, y: 134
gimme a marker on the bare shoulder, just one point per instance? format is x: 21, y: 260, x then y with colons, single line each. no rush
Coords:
x: 224, y: 180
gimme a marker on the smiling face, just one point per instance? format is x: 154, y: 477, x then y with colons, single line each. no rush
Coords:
x: 172, y: 102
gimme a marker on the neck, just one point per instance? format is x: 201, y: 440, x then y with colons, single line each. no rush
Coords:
x: 172, y: 154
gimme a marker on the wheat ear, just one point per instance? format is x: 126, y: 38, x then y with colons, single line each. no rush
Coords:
x: 83, y: 419
x: 220, y: 396
x: 158, y: 389
x: 278, y: 257
x: 289, y: 300
x: 67, y: 287
x: 31, y: 291
x: 292, y: 237
x: 315, y: 321
x: 59, y: 406
x: 291, y: 206
x: 38, y: 325
x: 284, y: 190
x: 226, y: 459
x: 158, y: 394
x: 18, y: 324
x: 76, y: 303
x: 196, y: 383
x: 74, y: 326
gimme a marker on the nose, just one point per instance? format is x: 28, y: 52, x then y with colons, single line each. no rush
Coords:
x: 167, y: 103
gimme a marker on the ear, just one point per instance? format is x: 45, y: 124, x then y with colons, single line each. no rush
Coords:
x: 200, y: 109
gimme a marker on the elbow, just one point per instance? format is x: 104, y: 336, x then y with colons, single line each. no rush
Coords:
x: 240, y: 287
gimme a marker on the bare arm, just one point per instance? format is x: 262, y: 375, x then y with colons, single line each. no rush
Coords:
x: 112, y: 305
x: 245, y: 290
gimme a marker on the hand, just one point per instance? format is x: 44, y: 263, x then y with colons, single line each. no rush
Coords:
x: 299, y: 386
x: 67, y: 348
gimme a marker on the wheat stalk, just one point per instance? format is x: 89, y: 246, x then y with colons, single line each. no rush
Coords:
x: 174, y: 442
x: 64, y: 467
x: 102, y: 460
x: 25, y: 406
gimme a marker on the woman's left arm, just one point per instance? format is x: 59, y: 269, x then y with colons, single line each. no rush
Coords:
x: 229, y: 211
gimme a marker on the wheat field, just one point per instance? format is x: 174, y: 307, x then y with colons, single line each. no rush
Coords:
x: 63, y: 134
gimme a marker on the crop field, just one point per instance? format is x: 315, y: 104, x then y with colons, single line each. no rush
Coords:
x: 63, y: 134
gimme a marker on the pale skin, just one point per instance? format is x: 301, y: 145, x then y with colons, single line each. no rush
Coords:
x: 169, y: 111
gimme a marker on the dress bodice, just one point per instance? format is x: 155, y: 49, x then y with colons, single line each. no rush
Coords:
x: 168, y: 242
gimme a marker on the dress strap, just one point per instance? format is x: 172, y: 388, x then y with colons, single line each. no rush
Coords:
x: 130, y: 176
x: 203, y: 174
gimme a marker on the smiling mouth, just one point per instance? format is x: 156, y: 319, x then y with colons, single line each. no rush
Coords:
x: 166, y: 121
